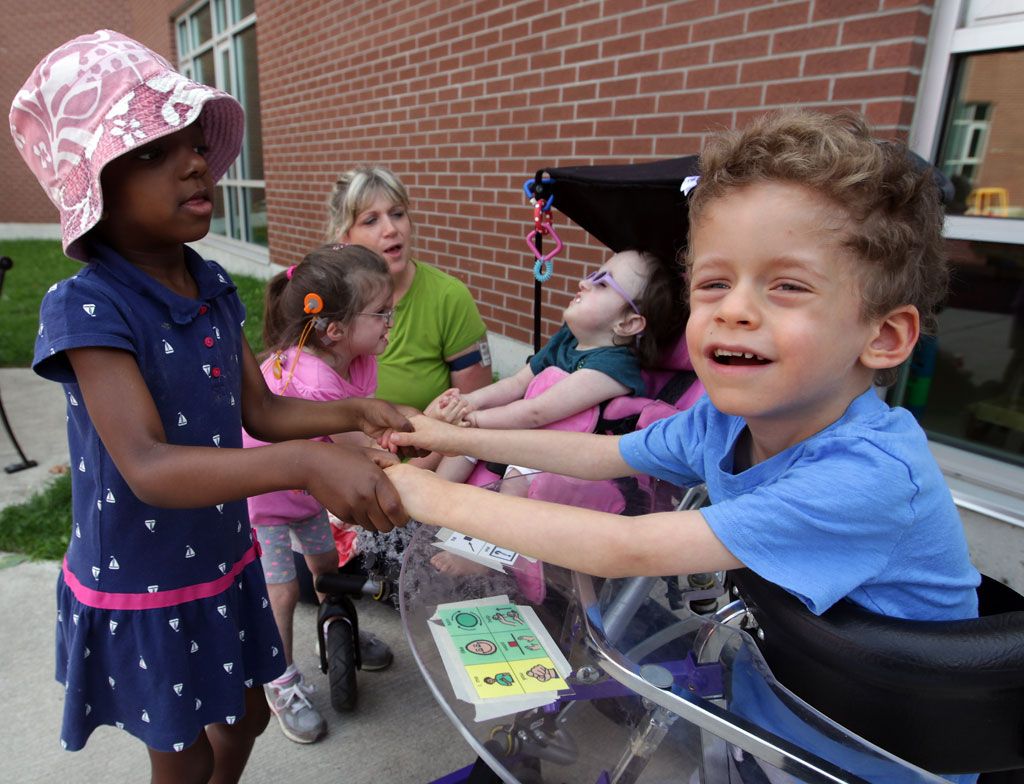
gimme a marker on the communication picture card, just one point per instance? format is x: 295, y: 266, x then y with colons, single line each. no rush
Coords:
x: 498, y: 656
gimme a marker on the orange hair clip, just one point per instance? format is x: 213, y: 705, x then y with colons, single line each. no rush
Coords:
x: 312, y: 303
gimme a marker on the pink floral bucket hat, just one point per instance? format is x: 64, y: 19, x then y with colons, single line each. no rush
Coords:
x: 97, y: 97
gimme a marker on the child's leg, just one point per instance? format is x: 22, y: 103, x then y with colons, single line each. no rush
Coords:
x: 513, y: 484
x: 219, y: 754
x: 456, y: 469
x: 282, y: 587
x: 321, y: 563
x: 193, y: 765
x: 516, y: 481
x: 232, y: 743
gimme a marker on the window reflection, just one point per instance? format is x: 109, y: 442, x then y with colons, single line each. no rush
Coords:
x: 966, y: 384
x: 982, y: 148
x: 210, y: 37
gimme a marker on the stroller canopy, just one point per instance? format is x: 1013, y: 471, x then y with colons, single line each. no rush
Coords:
x: 638, y: 206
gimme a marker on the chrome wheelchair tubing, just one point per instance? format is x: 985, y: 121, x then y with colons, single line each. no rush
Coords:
x: 705, y: 714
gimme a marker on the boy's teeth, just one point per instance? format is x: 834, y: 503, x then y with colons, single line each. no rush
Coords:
x: 721, y: 352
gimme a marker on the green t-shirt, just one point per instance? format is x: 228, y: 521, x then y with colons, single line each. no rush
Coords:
x: 435, y: 319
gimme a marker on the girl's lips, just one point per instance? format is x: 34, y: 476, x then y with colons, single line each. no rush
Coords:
x: 198, y: 205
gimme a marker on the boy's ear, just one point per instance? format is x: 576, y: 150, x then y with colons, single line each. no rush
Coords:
x: 629, y: 325
x: 893, y: 340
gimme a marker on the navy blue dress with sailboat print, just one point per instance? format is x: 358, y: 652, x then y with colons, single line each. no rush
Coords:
x: 162, y: 614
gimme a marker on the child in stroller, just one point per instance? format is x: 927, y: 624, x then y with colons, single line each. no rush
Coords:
x: 623, y: 318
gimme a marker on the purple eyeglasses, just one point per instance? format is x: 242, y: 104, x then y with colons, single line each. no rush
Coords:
x: 604, y: 277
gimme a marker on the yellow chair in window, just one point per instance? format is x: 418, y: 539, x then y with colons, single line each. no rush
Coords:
x: 993, y: 202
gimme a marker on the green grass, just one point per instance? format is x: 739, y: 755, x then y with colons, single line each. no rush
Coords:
x: 38, y: 264
x: 40, y: 527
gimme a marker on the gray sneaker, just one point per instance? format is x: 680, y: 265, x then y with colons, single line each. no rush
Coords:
x: 375, y: 653
x: 299, y: 720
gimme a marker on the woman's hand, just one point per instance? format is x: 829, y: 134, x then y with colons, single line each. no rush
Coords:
x: 351, y: 484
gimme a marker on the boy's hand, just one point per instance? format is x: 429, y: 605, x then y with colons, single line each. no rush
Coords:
x: 351, y: 484
x: 429, y: 434
x: 413, y: 485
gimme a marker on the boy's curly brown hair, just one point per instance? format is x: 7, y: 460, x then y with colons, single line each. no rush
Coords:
x: 893, y: 203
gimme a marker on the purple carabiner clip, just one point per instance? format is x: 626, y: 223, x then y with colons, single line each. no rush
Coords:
x: 551, y: 253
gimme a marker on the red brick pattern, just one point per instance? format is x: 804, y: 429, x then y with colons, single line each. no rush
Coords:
x: 466, y: 99
x: 31, y: 31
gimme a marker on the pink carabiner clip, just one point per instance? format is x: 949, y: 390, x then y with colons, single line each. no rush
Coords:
x: 551, y: 253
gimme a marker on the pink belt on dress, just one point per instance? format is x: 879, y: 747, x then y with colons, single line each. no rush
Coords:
x: 152, y: 600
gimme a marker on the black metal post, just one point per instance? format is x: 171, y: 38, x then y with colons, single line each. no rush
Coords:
x: 6, y: 264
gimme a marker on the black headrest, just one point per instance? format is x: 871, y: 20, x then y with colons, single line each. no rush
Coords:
x: 945, y: 695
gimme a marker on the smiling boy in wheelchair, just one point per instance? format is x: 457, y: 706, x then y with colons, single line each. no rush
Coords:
x: 815, y: 260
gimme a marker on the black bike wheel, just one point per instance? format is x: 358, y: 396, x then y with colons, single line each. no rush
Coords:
x: 341, y: 666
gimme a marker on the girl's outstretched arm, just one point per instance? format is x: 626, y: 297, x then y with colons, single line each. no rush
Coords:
x: 502, y: 391
x: 597, y: 543
x: 577, y: 392
x: 349, y: 482
x: 583, y: 455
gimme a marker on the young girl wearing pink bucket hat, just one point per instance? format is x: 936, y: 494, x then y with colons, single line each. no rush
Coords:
x: 163, y: 623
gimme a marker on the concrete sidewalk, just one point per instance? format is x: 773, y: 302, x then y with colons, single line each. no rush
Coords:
x: 397, y: 733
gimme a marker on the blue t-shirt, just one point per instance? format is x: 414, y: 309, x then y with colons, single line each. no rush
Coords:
x: 618, y: 362
x: 859, y: 510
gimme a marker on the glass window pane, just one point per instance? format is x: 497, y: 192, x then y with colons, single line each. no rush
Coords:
x: 249, y: 94
x: 182, y: 37
x: 234, y: 225
x: 256, y: 209
x: 202, y: 26
x: 966, y: 385
x: 220, y: 23
x: 205, y: 71
x: 218, y: 223
x: 243, y: 8
x: 982, y: 148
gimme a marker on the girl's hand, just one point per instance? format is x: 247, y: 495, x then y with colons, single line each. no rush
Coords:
x: 379, y: 419
x: 351, y: 484
x: 453, y: 411
x: 439, y: 405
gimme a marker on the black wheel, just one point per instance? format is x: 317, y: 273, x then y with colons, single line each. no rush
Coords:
x: 341, y: 665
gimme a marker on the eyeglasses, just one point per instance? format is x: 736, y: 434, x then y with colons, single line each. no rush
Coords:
x: 604, y: 278
x: 388, y: 316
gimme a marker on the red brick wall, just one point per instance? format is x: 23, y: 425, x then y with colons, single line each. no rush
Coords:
x: 466, y: 100
x: 32, y: 30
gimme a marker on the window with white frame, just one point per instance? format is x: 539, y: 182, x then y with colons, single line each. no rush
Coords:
x: 216, y: 41
x: 966, y: 384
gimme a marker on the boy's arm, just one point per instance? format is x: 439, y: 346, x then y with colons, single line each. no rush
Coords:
x: 576, y: 392
x: 583, y: 455
x: 597, y: 543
